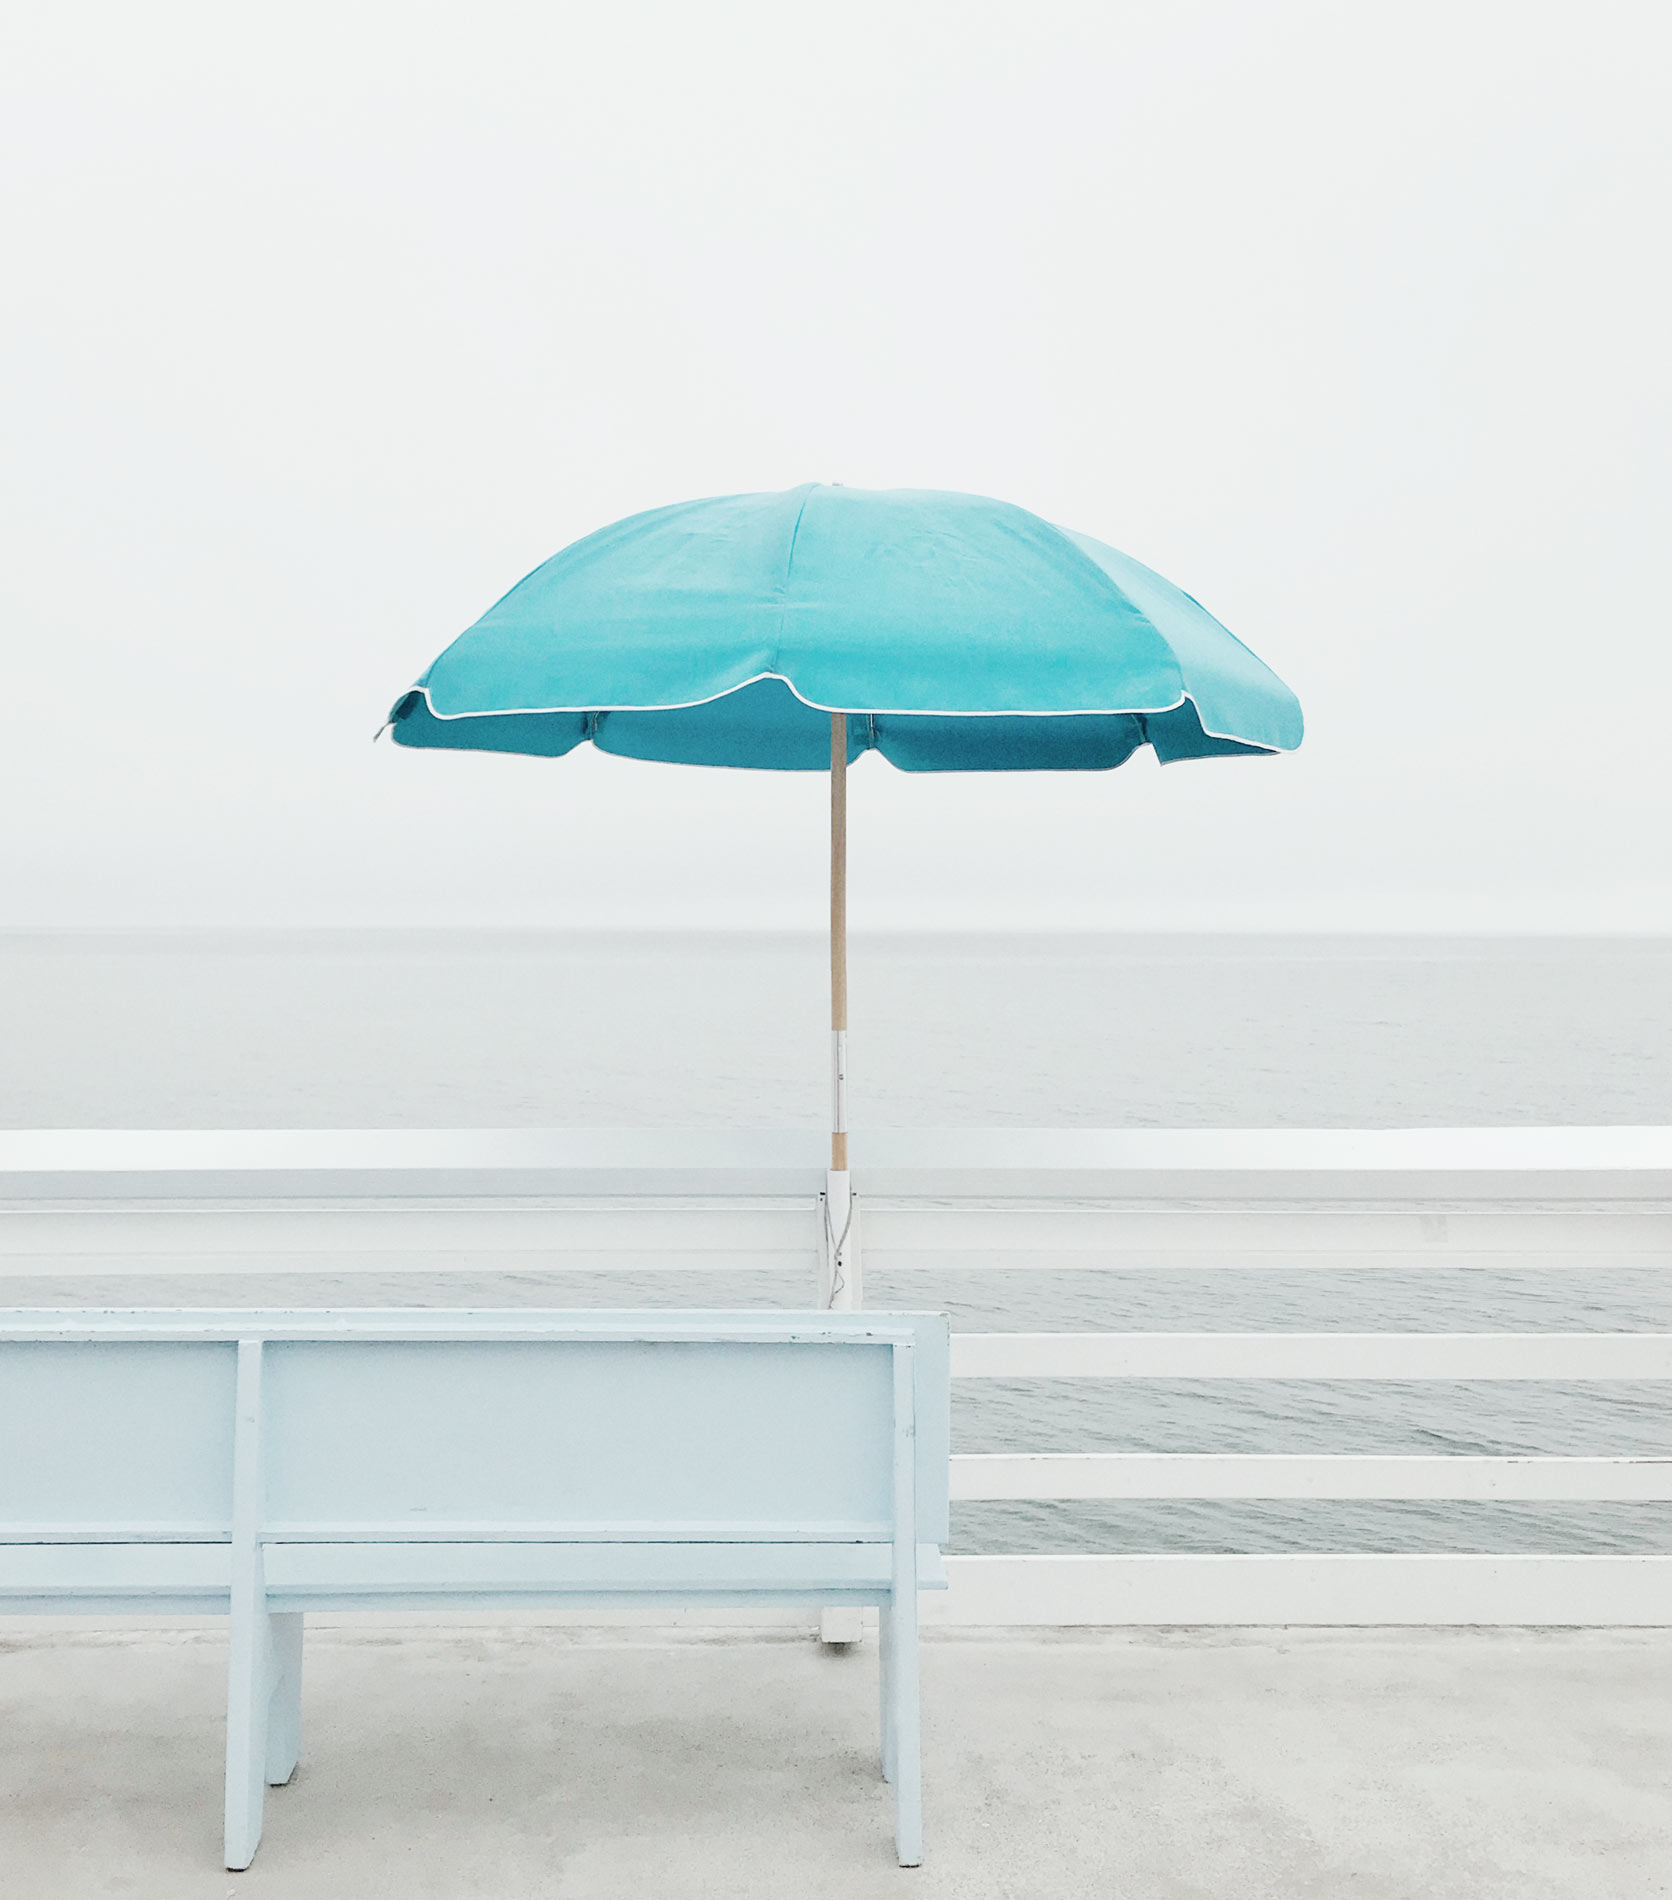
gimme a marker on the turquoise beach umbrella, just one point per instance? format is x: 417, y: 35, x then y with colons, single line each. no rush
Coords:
x: 796, y: 631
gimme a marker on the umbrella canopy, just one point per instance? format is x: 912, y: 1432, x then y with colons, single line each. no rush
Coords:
x: 796, y: 631
x: 967, y: 634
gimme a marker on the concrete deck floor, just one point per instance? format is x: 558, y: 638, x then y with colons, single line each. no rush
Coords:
x: 525, y: 1760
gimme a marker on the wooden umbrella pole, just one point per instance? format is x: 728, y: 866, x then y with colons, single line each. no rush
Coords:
x: 839, y: 942
x: 839, y: 1283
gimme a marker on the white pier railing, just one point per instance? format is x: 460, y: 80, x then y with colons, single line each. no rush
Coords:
x: 1313, y: 1588
x: 99, y: 1210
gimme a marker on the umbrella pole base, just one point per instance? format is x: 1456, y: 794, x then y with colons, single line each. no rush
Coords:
x: 841, y: 1281
x: 840, y: 1290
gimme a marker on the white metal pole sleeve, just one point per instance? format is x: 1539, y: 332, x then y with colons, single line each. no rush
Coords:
x: 839, y: 1288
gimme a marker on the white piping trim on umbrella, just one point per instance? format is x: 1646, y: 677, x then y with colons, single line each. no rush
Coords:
x: 879, y: 712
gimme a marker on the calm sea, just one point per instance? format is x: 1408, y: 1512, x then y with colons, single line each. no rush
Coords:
x: 459, y: 1029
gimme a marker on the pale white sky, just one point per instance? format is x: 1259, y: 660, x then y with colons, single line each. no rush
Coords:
x: 324, y: 324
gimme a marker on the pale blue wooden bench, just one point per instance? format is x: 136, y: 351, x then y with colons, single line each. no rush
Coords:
x: 266, y: 1464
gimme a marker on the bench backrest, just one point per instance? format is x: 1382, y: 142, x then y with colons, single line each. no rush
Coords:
x: 664, y: 1426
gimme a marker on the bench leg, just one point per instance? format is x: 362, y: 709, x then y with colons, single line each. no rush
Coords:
x: 249, y: 1683
x: 284, y: 1707
x: 841, y: 1624
x: 885, y: 1672
x: 906, y: 1756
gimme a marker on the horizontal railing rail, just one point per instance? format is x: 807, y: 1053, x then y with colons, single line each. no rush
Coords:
x: 1312, y: 1356
x: 1194, y: 1475
x: 1251, y: 1165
